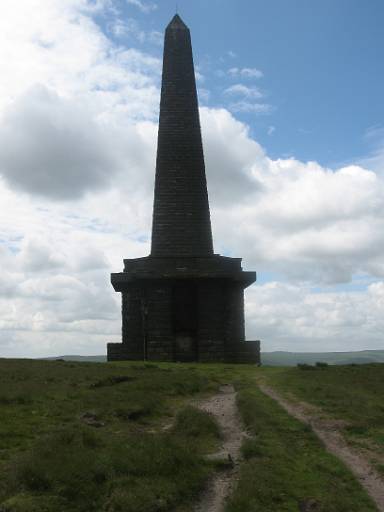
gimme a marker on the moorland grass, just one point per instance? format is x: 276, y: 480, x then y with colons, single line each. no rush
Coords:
x: 93, y: 437
x: 84, y: 470
x: 198, y: 426
x: 286, y: 468
x: 78, y: 437
x: 353, y: 393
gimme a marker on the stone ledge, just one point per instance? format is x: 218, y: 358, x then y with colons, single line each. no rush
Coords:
x: 248, y: 353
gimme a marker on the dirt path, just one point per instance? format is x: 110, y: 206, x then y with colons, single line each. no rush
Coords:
x: 328, y: 431
x: 223, y: 407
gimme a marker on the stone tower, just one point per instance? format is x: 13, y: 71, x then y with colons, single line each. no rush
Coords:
x: 182, y: 302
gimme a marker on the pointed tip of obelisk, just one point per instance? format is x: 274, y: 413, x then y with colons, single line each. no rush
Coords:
x: 177, y: 23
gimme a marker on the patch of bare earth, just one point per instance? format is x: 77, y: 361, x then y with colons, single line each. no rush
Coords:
x: 223, y: 407
x: 329, y: 431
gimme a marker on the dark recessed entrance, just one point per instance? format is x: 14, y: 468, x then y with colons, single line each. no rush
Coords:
x: 185, y: 321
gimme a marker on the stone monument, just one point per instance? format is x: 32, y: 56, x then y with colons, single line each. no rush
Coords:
x: 182, y: 302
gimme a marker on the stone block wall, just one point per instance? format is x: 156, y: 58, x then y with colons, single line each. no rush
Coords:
x: 212, y: 300
x: 159, y: 326
x: 181, y: 219
x: 183, y: 309
x: 132, y: 319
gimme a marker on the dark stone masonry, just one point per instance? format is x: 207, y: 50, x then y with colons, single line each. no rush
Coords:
x: 183, y: 302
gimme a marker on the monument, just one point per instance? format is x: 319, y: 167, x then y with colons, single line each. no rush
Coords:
x: 182, y: 302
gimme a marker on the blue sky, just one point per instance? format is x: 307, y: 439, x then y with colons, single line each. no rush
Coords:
x: 322, y: 66
x: 292, y: 123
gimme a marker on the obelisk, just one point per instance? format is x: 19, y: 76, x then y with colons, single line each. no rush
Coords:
x: 182, y: 302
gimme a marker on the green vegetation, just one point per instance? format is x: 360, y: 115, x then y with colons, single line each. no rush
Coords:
x: 83, y: 470
x: 85, y: 437
x: 78, y: 437
x: 201, y: 429
x: 286, y: 467
x: 352, y: 393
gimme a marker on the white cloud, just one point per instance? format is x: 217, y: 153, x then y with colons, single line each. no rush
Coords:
x: 229, y: 166
x: 250, y: 108
x: 131, y: 28
x: 199, y: 76
x: 245, y: 72
x: 64, y: 152
x: 375, y: 136
x: 45, y: 50
x: 67, y: 151
x: 271, y: 130
x: 156, y: 37
x: 145, y: 7
x: 374, y: 133
x: 245, y: 100
x: 243, y: 90
x: 292, y: 317
x: 40, y: 42
x: 299, y: 219
x: 204, y: 95
x: 308, y: 222
x: 73, y: 112
x: 83, y: 110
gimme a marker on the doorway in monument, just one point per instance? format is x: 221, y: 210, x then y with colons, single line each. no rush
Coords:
x: 185, y: 321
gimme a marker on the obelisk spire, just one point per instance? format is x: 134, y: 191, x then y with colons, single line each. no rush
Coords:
x: 181, y: 219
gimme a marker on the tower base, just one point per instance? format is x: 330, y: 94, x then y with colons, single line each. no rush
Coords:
x: 183, y: 309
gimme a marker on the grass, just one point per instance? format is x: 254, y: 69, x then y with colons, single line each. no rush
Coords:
x: 85, y: 470
x: 80, y: 437
x: 286, y: 468
x: 353, y: 393
x: 199, y: 427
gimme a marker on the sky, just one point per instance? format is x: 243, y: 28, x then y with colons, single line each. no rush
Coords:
x: 292, y: 122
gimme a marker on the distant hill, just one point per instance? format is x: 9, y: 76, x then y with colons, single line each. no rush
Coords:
x: 281, y: 358
x: 80, y: 359
x: 293, y: 358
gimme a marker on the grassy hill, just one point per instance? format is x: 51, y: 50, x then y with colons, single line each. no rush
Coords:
x: 338, y: 358
x: 79, y: 359
x: 80, y: 437
x: 352, y: 393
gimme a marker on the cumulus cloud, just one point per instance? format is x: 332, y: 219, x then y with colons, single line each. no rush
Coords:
x: 375, y: 137
x: 51, y: 146
x: 229, y: 166
x: 145, y: 7
x: 243, y: 90
x: 292, y: 317
x: 309, y: 223
x: 245, y: 96
x: 55, y: 147
x: 75, y: 114
x: 131, y: 28
x: 45, y: 50
x: 251, y: 108
x: 82, y: 125
x: 245, y: 72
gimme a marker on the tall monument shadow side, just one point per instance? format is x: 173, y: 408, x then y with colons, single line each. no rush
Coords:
x: 182, y: 302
